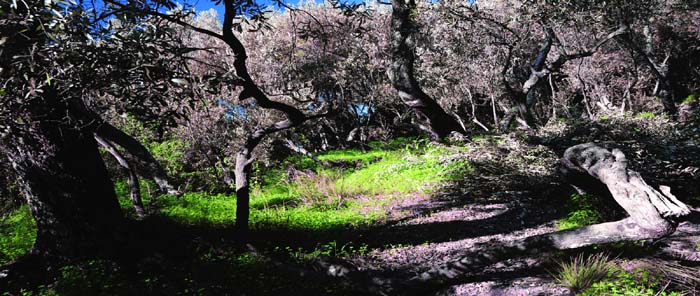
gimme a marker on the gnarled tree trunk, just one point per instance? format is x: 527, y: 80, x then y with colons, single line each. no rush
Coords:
x: 65, y: 183
x: 651, y: 212
x: 403, y: 46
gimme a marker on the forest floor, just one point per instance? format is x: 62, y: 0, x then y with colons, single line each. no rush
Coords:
x: 381, y: 218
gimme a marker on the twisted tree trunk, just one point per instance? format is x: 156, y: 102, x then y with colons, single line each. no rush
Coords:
x: 403, y: 45
x: 65, y: 183
x: 652, y: 214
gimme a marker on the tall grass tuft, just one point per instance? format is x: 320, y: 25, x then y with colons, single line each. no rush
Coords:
x: 324, y: 190
x: 583, y: 271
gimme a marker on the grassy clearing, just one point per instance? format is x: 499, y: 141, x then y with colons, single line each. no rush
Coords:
x: 319, y: 198
x: 311, y: 199
x: 322, y: 200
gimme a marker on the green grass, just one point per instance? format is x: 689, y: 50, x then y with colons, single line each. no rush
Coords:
x: 219, y: 211
x: 646, y: 115
x: 691, y: 99
x: 322, y: 202
x: 411, y: 170
x: 582, y: 272
x: 582, y: 212
x: 623, y: 283
x: 17, y: 234
x: 353, y: 155
x: 323, y: 199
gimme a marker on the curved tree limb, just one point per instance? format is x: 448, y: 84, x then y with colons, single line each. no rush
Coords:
x: 152, y: 167
x: 135, y: 188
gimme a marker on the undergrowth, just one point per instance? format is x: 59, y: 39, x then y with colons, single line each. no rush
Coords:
x: 17, y: 234
x: 598, y: 274
x: 583, y: 271
x: 620, y: 282
x: 582, y: 212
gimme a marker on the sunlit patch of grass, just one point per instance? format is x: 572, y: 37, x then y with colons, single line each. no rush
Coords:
x: 406, y: 171
x: 582, y: 213
x: 620, y: 282
x: 353, y: 155
x: 220, y: 211
x: 17, y: 234
x: 327, y: 198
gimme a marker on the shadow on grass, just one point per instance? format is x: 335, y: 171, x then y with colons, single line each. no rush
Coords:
x: 164, y: 257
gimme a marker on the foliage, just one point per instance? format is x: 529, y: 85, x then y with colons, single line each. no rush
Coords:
x: 646, y: 115
x: 17, y: 234
x: 691, y: 98
x: 332, y: 248
x: 170, y: 153
x: 583, y: 212
x: 582, y: 272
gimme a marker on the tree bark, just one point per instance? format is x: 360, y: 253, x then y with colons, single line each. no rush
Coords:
x: 65, y: 183
x: 244, y: 157
x: 301, y: 150
x: 652, y: 212
x: 527, y: 97
x: 148, y: 163
x: 439, y: 123
x: 134, y: 186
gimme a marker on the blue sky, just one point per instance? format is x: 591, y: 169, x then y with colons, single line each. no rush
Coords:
x: 203, y: 5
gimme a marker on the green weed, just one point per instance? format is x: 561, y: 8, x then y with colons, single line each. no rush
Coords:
x: 646, y: 115
x: 691, y: 99
x: 620, y: 282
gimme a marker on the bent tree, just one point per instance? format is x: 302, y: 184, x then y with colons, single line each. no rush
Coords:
x: 248, y: 90
x: 652, y: 214
x: 402, y: 73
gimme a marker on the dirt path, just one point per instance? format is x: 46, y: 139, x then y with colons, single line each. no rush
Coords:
x: 429, y: 232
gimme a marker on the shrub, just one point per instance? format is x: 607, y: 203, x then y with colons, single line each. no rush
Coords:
x: 171, y: 154
x: 582, y: 272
